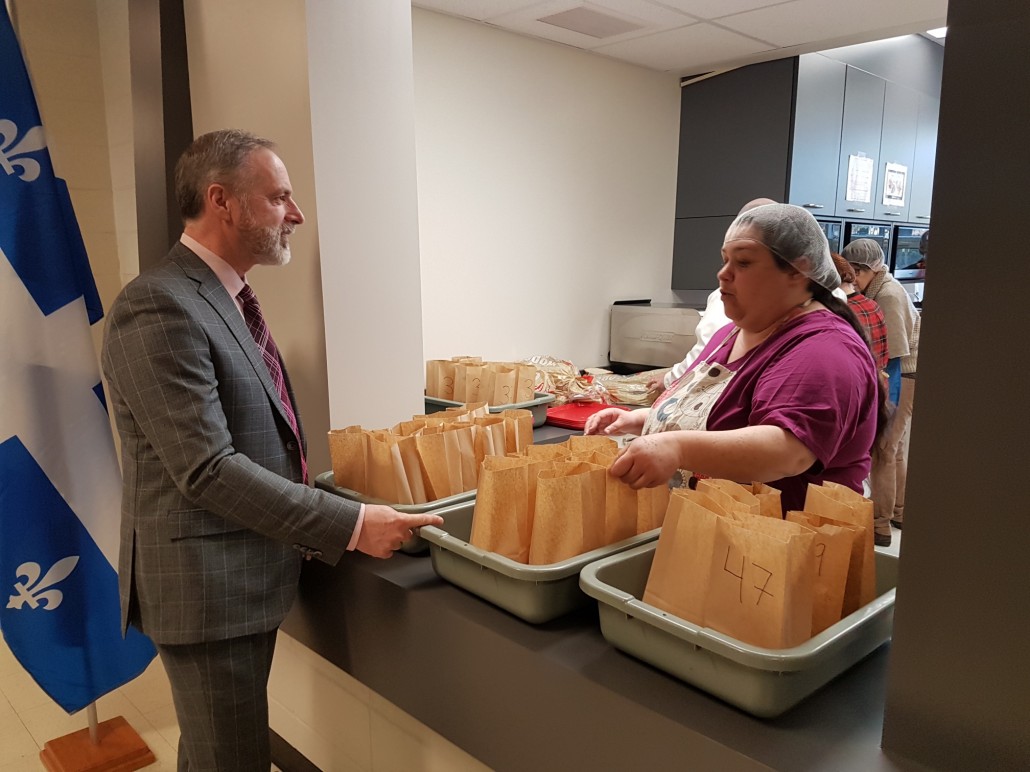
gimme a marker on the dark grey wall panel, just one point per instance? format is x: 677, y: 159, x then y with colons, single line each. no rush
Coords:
x: 735, y: 134
x: 959, y: 690
x: 162, y: 119
x: 696, y: 252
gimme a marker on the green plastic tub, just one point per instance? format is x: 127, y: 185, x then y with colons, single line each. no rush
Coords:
x: 535, y: 594
x: 537, y: 406
x: 763, y: 682
x: 446, y: 508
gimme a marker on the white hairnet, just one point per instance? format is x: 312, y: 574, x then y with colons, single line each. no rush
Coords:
x: 792, y: 234
x: 864, y: 252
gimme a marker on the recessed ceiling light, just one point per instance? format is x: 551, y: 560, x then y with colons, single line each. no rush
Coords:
x: 937, y: 33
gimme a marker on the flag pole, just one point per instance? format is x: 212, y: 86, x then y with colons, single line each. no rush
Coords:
x: 44, y: 268
x: 91, y: 714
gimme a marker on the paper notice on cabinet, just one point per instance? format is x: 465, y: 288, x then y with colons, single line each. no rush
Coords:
x: 860, y: 179
x: 894, y: 178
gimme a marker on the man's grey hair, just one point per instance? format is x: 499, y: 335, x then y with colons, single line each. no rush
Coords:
x: 218, y: 156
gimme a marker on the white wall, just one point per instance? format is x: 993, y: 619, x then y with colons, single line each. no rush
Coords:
x: 363, y: 138
x: 546, y: 190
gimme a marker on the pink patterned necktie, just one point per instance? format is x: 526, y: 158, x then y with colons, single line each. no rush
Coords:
x: 270, y: 353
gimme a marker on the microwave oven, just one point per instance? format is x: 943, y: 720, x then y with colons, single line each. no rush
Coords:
x: 879, y: 232
x: 908, y: 261
x: 832, y: 229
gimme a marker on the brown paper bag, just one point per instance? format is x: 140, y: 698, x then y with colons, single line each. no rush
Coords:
x: 503, y: 387
x: 440, y: 379
x: 385, y: 469
x: 348, y: 449
x: 678, y: 580
x: 840, y: 503
x: 463, y: 374
x: 726, y: 507
x: 518, y: 430
x: 442, y: 463
x: 551, y: 452
x: 460, y: 439
x: 738, y: 500
x: 620, y: 509
x: 760, y: 582
x: 525, y: 376
x: 831, y: 557
x: 579, y: 443
x: 768, y: 500
x: 490, y: 439
x: 856, y: 561
x: 652, y: 504
x: 501, y: 520
x: 736, y: 491
x: 569, y: 512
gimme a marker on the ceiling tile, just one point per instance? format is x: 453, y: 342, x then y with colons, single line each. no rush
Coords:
x: 685, y: 50
x: 647, y: 16
x: 474, y: 9
x: 713, y: 9
x: 802, y: 21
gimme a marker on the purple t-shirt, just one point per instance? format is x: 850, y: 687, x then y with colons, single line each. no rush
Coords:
x: 815, y: 378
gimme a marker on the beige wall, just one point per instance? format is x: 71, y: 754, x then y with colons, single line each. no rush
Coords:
x: 248, y: 70
x: 60, y: 42
x: 546, y: 187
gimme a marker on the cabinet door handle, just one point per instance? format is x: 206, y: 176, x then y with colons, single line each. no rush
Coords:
x: 856, y: 210
x: 892, y: 214
x: 813, y: 206
x: 922, y: 217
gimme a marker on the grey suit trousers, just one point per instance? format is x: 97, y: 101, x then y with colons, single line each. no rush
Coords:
x: 220, y: 691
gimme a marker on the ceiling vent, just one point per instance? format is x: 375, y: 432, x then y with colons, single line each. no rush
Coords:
x: 587, y: 21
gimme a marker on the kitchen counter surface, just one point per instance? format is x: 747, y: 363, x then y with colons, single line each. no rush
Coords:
x: 558, y: 696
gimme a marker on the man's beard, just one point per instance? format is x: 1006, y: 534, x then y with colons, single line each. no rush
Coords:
x: 269, y: 246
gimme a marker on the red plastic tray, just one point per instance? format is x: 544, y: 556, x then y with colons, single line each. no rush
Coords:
x: 574, y: 415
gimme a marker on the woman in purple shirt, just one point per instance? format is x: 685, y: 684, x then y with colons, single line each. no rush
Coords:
x: 785, y: 394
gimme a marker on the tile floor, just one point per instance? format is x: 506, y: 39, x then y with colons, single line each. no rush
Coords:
x: 28, y: 718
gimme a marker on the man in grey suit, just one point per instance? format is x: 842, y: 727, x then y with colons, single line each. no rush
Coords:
x: 216, y: 515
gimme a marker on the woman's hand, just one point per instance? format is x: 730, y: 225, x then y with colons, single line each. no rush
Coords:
x: 614, y: 421
x: 649, y: 461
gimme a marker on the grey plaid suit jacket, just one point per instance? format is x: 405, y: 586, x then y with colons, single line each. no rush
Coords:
x: 214, y: 518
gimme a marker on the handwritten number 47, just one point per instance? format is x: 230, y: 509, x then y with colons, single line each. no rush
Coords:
x: 740, y: 577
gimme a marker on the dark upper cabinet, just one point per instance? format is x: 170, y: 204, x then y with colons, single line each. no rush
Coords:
x: 788, y: 129
x: 697, y: 251
x: 818, y: 118
x: 897, y: 150
x: 734, y: 139
x: 860, y: 144
x: 924, y: 159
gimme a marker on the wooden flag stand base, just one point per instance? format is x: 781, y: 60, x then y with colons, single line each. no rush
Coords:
x: 119, y: 749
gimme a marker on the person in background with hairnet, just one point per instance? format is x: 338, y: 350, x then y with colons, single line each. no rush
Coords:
x: 868, y: 313
x: 890, y: 463
x: 786, y: 394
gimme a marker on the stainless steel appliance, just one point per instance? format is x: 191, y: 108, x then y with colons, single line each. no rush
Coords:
x: 651, y: 334
x: 908, y: 261
x: 832, y: 229
x: 878, y: 232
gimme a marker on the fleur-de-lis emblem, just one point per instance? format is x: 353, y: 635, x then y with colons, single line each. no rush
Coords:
x: 13, y: 152
x: 35, y: 593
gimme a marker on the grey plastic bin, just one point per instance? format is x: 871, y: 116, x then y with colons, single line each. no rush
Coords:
x: 536, y: 594
x: 445, y: 508
x: 763, y: 682
x: 537, y: 406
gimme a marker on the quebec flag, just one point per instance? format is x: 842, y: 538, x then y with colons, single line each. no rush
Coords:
x: 59, y: 480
